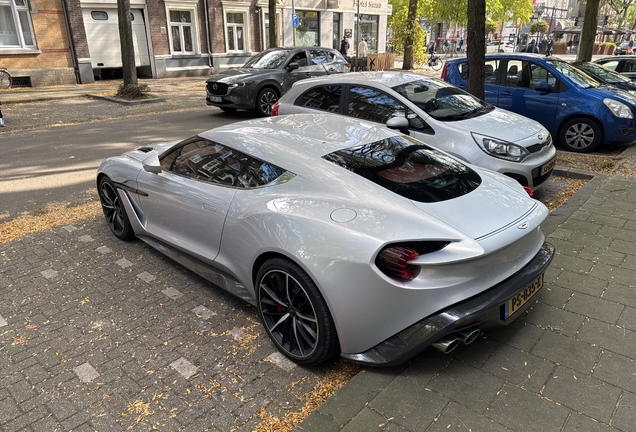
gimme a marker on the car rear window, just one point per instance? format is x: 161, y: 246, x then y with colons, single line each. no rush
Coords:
x: 409, y: 168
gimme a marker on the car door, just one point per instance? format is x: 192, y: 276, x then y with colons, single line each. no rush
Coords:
x: 186, y: 204
x: 517, y: 91
x: 306, y: 69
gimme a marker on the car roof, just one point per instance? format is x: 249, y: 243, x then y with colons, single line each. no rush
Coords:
x: 387, y: 78
x: 288, y: 140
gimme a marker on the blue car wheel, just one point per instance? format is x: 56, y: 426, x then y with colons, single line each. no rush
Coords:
x: 581, y: 135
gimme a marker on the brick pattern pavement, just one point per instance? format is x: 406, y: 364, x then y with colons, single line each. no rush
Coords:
x: 99, y: 334
x: 567, y: 365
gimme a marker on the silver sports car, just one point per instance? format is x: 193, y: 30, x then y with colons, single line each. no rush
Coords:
x: 348, y: 237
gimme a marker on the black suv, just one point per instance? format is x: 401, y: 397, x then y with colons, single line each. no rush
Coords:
x: 268, y: 75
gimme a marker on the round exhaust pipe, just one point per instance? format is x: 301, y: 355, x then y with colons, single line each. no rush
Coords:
x: 446, y: 344
x: 468, y: 335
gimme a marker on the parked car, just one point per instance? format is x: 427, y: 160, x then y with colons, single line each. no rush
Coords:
x: 345, y: 236
x: 606, y: 76
x: 268, y: 75
x: 621, y: 49
x: 437, y: 113
x: 576, y: 109
x: 624, y: 65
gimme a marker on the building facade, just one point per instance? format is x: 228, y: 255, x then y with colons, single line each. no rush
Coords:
x: 67, y: 41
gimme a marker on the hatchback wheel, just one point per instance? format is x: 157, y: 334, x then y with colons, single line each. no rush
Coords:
x: 266, y: 99
x: 114, y: 210
x: 294, y: 313
x: 581, y: 135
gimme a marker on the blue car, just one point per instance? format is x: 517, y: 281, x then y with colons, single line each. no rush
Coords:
x: 576, y: 109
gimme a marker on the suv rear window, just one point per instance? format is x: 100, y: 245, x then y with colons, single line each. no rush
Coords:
x: 409, y: 168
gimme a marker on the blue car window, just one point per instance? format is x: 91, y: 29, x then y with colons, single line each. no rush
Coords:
x: 514, y: 77
x: 491, y: 69
x: 540, y: 74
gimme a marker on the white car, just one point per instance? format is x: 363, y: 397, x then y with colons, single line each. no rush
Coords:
x: 435, y: 112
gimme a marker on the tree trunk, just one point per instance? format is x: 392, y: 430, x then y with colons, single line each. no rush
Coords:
x: 273, y: 40
x: 588, y: 34
x: 476, y: 53
x: 408, y: 43
x: 127, y: 46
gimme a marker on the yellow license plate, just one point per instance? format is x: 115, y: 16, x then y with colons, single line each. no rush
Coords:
x: 515, y: 303
x: 548, y: 167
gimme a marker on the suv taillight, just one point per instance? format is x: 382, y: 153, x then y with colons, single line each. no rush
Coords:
x: 275, y: 107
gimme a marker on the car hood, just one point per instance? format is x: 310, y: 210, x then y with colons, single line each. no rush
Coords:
x: 501, y: 124
x: 513, y: 206
x: 615, y: 93
x: 236, y: 75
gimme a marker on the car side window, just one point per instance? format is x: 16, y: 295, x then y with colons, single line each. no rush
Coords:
x: 629, y: 66
x: 211, y: 162
x: 326, y: 98
x: 300, y: 58
x: 540, y: 74
x: 318, y: 56
x: 610, y: 64
x: 372, y: 104
x: 491, y: 69
x: 513, y: 73
x: 418, y: 124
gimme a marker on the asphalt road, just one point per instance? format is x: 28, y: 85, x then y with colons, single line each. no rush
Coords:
x: 50, y: 165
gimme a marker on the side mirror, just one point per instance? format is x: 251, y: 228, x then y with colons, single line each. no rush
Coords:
x: 542, y: 86
x: 151, y: 163
x: 399, y: 123
x: 292, y: 66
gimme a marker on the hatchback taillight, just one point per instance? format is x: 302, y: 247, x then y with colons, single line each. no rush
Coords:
x: 274, y: 111
x: 443, y: 72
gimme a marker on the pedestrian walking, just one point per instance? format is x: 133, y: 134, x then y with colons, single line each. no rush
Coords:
x: 363, y: 48
x: 461, y: 45
x: 630, y: 47
x: 344, y: 46
x: 549, y: 43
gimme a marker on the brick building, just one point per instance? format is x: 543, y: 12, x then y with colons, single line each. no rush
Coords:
x: 67, y: 41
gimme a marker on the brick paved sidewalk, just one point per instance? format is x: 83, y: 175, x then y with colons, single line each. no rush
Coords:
x: 567, y: 365
x: 99, y: 334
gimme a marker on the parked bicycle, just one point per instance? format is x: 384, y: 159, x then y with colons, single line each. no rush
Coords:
x: 434, y: 62
x: 5, y: 79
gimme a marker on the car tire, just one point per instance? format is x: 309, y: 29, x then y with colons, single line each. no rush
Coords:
x: 266, y: 99
x: 114, y: 210
x: 581, y: 135
x: 228, y: 110
x: 295, y: 314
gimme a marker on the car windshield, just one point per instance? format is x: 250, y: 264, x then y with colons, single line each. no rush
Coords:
x: 605, y: 74
x: 267, y: 60
x: 442, y: 101
x: 409, y: 168
x: 576, y: 75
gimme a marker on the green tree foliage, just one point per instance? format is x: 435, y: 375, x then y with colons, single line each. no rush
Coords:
x: 539, y: 27
x: 503, y: 11
x: 491, y: 27
x: 399, y: 21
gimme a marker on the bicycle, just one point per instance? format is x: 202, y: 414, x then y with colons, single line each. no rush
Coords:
x: 435, y: 62
x: 6, y: 80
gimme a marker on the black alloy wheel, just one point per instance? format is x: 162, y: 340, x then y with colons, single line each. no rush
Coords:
x: 294, y: 313
x: 581, y: 135
x: 266, y: 99
x: 114, y: 210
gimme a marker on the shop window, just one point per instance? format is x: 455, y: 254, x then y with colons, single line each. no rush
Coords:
x: 16, y: 29
x: 308, y: 30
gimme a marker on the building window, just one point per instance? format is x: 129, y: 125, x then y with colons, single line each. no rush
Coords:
x: 235, y: 31
x: 337, y: 31
x: 16, y: 30
x: 181, y: 32
x: 308, y: 30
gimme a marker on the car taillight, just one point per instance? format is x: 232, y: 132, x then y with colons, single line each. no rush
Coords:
x: 393, y: 259
x: 274, y: 111
x: 393, y: 262
x: 529, y: 191
x: 443, y: 72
